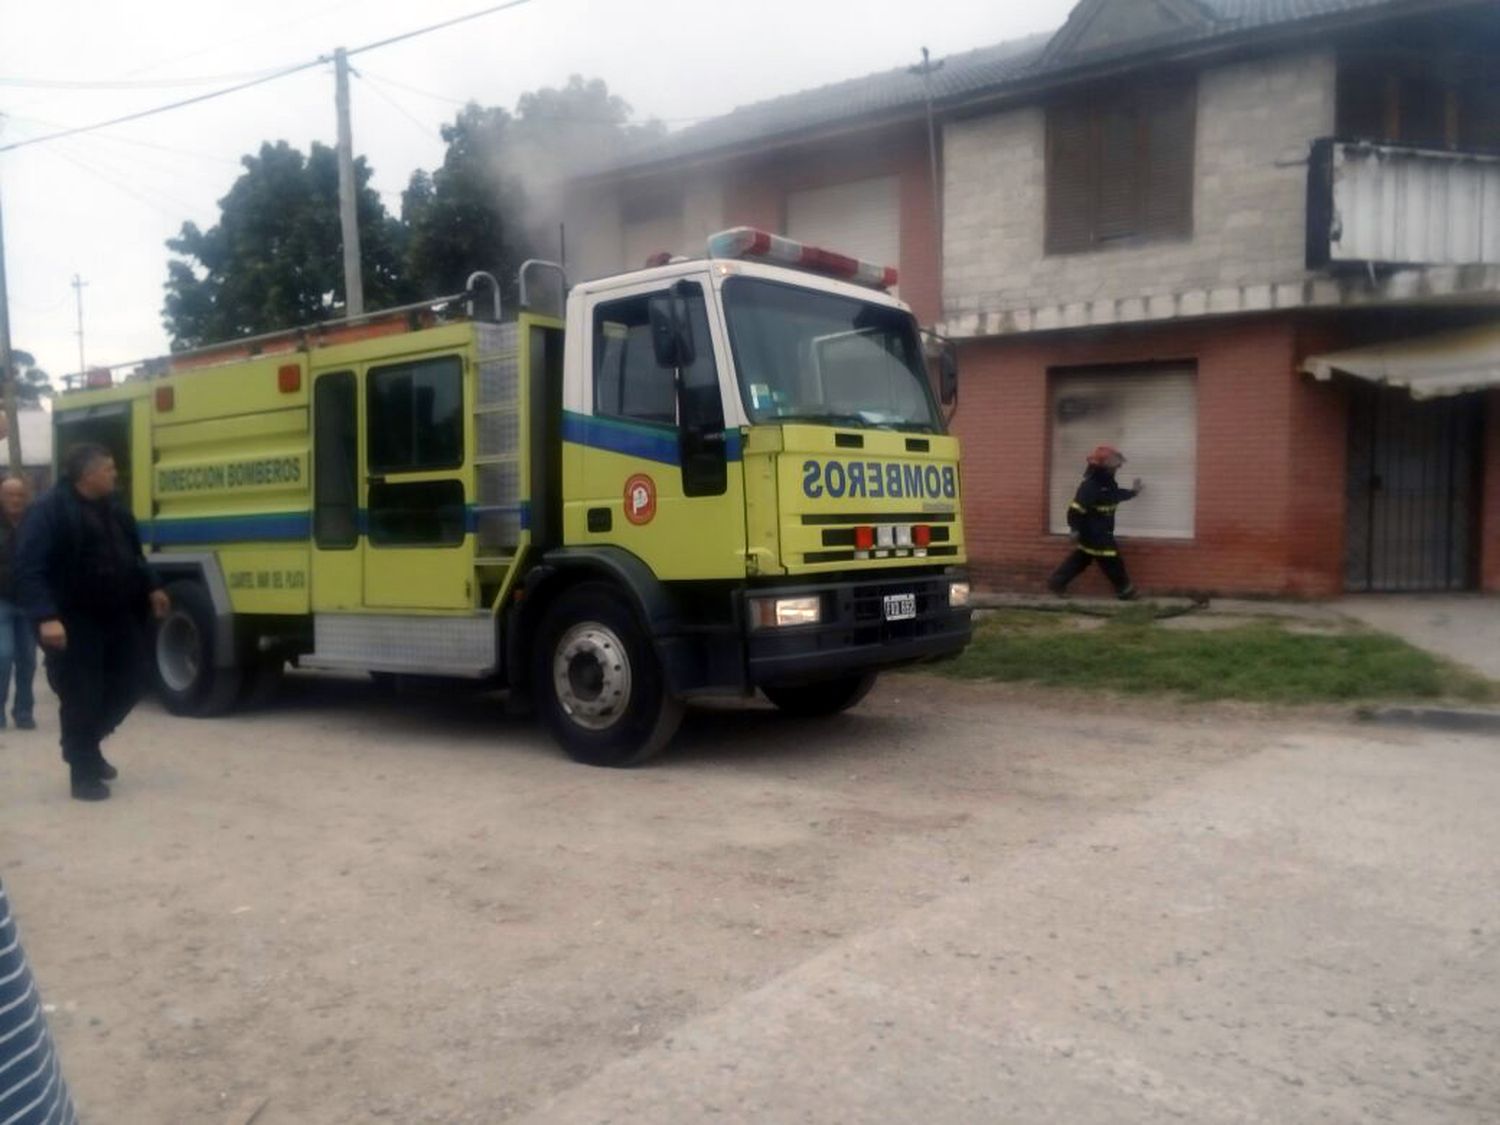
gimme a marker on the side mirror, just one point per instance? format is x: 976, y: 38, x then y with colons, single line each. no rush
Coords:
x: 671, y: 331
x: 948, y: 374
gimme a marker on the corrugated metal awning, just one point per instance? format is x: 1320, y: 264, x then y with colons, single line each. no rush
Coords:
x: 1447, y: 363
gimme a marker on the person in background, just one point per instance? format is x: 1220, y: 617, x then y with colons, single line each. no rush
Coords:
x: 32, y: 1090
x: 17, y: 637
x: 84, y: 582
x: 1091, y: 522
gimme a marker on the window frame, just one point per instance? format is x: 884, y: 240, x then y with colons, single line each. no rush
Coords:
x: 410, y: 364
x: 1055, y: 518
x: 346, y: 378
x: 705, y: 345
x: 1157, y: 171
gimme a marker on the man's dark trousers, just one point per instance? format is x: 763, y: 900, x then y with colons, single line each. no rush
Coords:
x: 97, y: 680
x: 1076, y: 563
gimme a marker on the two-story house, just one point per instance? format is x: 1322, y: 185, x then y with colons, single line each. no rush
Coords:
x: 1255, y: 243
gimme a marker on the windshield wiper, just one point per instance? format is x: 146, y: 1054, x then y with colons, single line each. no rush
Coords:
x: 829, y: 419
x: 860, y: 421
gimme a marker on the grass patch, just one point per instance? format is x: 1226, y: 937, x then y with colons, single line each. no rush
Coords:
x: 1258, y: 662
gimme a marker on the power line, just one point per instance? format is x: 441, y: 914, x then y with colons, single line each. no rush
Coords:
x: 127, y: 84
x: 405, y: 35
x: 268, y: 77
x: 427, y: 131
x: 73, y: 132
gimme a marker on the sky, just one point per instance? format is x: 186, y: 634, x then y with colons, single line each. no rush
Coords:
x: 102, y: 205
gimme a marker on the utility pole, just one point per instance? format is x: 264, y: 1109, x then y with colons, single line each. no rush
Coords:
x: 354, y: 287
x: 7, y: 366
x: 927, y: 69
x: 78, y: 284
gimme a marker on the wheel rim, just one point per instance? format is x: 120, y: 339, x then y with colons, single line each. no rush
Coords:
x: 591, y: 675
x: 179, y: 652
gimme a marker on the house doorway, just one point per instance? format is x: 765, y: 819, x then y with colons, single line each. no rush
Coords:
x: 1413, y: 491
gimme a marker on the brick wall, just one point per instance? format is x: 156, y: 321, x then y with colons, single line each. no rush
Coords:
x: 1489, y: 531
x: 1255, y: 122
x: 1270, y: 490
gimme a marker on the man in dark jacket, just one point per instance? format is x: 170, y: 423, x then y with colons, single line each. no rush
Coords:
x: 83, y: 581
x: 1091, y: 520
x: 17, y: 637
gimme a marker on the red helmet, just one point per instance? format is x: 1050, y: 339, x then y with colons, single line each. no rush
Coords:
x: 1103, y: 453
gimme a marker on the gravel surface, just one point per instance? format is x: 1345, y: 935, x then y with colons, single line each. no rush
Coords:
x: 959, y: 903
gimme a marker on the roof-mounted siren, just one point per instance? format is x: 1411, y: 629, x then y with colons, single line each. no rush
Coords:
x: 760, y: 246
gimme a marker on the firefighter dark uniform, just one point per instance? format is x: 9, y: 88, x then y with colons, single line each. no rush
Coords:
x: 1091, y: 520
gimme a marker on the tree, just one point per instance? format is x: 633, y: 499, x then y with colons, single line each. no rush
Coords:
x: 32, y: 383
x: 274, y: 259
x: 467, y: 215
x: 496, y: 195
x: 564, y: 130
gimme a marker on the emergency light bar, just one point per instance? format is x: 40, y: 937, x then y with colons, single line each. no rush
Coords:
x: 747, y: 242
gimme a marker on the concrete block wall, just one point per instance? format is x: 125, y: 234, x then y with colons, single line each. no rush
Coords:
x: 1256, y: 119
x: 1270, y: 492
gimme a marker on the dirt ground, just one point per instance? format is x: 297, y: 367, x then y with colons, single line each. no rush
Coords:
x: 957, y: 904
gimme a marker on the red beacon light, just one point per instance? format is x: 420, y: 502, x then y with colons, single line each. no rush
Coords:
x: 758, y: 245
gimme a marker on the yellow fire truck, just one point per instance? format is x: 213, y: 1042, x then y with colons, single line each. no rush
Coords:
x: 713, y: 476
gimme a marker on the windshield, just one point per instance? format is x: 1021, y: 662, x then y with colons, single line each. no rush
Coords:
x: 804, y: 355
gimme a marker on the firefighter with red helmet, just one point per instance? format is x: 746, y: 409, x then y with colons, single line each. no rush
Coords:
x: 1091, y: 522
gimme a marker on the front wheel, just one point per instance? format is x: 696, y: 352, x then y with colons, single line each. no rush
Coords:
x: 825, y: 697
x: 186, y: 678
x: 598, y: 682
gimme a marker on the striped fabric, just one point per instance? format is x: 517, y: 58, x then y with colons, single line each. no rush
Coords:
x: 32, y: 1090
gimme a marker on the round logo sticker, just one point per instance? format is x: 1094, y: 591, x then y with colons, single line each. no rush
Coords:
x: 640, y: 499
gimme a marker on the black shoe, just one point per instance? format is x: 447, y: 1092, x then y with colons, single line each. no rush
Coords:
x: 89, y: 789
x: 1127, y: 595
x: 27, y: 723
x: 104, y: 771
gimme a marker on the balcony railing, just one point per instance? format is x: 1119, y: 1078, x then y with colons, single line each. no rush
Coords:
x: 1376, y: 205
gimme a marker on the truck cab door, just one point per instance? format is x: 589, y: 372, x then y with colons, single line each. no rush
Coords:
x: 641, y: 470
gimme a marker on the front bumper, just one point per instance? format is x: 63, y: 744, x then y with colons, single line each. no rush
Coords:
x: 854, y: 635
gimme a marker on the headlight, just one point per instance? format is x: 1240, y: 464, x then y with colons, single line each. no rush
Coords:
x: 958, y: 594
x: 782, y: 613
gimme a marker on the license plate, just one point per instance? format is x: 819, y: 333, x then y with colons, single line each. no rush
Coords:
x: 900, y: 607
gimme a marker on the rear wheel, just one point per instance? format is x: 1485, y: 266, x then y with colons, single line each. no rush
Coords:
x: 186, y: 678
x: 598, y: 682
x: 825, y: 697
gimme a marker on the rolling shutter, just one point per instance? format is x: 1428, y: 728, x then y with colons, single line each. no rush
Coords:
x: 1170, y: 127
x: 1070, y: 180
x: 1150, y: 413
x: 861, y: 219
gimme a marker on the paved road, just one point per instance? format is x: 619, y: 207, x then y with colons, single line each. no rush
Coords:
x: 956, y: 905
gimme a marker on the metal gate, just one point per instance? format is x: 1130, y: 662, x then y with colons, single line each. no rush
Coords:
x: 1414, y: 486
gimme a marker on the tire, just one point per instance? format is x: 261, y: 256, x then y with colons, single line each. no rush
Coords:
x: 597, y: 681
x: 182, y: 656
x: 821, y: 698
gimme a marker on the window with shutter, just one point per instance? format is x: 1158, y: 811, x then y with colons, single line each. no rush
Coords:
x: 1150, y: 412
x: 1120, y: 167
x: 1428, y: 99
x: 1070, y: 180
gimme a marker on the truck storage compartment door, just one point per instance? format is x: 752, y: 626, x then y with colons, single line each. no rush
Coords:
x: 418, y: 551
